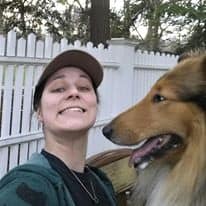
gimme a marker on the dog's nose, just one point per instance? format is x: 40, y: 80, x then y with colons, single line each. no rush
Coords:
x: 107, y: 131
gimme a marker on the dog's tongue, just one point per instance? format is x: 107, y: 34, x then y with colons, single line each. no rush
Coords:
x: 144, y: 150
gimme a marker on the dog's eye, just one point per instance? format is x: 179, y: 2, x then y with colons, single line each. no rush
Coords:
x: 158, y: 98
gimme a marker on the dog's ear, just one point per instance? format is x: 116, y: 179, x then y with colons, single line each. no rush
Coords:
x: 193, y: 88
x: 203, y: 66
x: 190, y: 54
x: 204, y: 62
x: 200, y: 96
x: 183, y: 57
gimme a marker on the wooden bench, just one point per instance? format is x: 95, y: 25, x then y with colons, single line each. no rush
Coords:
x: 115, y: 164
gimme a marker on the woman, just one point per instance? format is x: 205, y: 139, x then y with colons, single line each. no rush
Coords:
x: 65, y: 100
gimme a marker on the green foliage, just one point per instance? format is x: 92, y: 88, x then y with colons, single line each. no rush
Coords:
x: 196, y: 18
x: 42, y: 16
x: 179, y: 22
x: 27, y: 16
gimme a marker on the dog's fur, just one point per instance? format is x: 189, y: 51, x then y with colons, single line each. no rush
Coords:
x: 175, y: 105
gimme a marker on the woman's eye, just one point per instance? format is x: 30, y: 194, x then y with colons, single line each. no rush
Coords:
x: 158, y: 98
x: 84, y: 88
x: 60, y: 89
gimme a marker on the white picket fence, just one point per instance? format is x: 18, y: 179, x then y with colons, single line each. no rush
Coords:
x: 128, y: 75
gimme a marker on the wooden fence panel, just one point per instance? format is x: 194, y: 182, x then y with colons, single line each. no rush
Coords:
x: 2, y: 53
x: 40, y: 145
x: 32, y: 147
x: 27, y: 100
x: 4, y: 154
x: 39, y: 49
x: 23, y: 152
x: 97, y: 142
x: 105, y: 104
x: 11, y: 44
x: 17, y: 101
x: 31, y: 45
x: 21, y: 47
x: 48, y: 47
x: 143, y: 81
x: 35, y: 124
x: 1, y: 94
x: 2, y: 45
x: 13, y: 156
x: 7, y: 101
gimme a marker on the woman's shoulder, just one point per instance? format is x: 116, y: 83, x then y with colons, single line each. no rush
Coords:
x: 28, y: 180
x: 24, y: 186
x: 36, y: 167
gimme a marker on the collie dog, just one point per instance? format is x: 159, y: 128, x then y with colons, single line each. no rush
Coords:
x: 168, y: 132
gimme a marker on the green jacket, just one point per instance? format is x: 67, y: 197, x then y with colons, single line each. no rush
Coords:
x: 40, y: 179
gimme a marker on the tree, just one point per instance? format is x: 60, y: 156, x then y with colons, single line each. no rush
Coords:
x: 27, y: 16
x: 43, y: 16
x: 168, y: 22
x: 196, y: 19
x: 99, y: 21
x: 121, y: 21
x: 158, y: 16
x: 1, y: 16
x: 179, y: 22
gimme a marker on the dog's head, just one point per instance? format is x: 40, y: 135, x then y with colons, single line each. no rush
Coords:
x: 162, y: 125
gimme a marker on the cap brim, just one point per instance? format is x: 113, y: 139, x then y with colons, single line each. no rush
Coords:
x: 79, y: 59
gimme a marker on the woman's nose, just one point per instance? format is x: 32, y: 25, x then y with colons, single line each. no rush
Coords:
x: 72, y: 93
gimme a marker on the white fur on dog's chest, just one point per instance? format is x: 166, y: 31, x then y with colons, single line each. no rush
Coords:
x: 152, y: 189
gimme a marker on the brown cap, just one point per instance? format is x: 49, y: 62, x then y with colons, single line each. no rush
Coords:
x: 75, y: 58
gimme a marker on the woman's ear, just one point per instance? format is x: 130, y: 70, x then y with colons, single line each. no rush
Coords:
x: 39, y: 115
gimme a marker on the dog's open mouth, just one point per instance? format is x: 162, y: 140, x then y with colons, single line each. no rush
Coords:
x: 153, y: 148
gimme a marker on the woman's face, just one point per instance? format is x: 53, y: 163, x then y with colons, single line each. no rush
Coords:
x: 68, y: 102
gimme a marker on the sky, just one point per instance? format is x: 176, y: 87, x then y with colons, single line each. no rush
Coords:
x: 118, y: 4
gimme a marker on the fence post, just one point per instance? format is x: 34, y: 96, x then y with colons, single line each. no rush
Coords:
x: 124, y: 53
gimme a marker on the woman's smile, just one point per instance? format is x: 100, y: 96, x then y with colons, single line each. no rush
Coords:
x: 73, y: 109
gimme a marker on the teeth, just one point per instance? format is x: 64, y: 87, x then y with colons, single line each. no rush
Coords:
x: 137, y: 160
x: 75, y: 109
x: 143, y: 165
x: 160, y: 141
